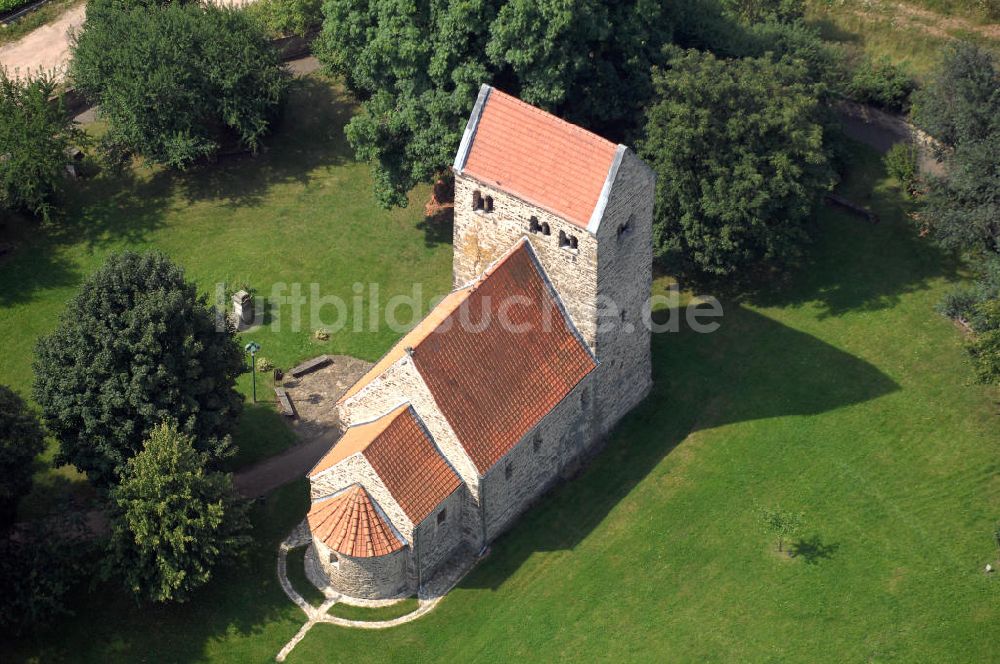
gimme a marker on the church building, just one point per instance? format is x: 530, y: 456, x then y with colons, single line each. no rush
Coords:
x: 516, y: 376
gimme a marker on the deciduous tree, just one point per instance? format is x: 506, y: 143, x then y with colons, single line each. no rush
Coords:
x: 172, y: 520
x: 418, y: 67
x: 177, y: 82
x: 21, y: 440
x: 135, y: 347
x: 738, y: 149
x: 35, y: 135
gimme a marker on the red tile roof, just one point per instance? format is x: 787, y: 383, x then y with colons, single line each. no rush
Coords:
x: 403, y: 455
x: 411, y: 467
x: 493, y: 385
x: 350, y: 523
x: 539, y: 157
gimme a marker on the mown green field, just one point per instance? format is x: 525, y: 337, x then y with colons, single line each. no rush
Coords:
x: 842, y: 395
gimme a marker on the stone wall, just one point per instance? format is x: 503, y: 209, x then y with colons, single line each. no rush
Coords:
x: 436, y: 543
x: 624, y: 281
x: 377, y: 577
x: 536, y: 462
x: 480, y: 238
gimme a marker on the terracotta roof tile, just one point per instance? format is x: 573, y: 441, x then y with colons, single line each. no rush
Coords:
x: 494, y: 384
x: 403, y: 455
x: 411, y: 467
x: 350, y: 523
x: 540, y: 158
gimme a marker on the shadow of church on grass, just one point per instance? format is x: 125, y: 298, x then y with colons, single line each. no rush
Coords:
x: 751, y: 368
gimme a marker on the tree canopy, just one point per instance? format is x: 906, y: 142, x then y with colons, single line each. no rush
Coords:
x: 172, y: 520
x: 738, y: 150
x: 35, y: 135
x: 21, y: 440
x: 136, y: 346
x: 960, y: 106
x: 213, y: 77
x: 418, y: 67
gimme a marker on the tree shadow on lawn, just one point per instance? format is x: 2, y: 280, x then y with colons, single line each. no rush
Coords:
x: 126, y: 209
x: 309, y: 135
x: 98, y: 212
x: 813, y: 549
x: 751, y: 368
x: 242, y: 600
x: 857, y: 266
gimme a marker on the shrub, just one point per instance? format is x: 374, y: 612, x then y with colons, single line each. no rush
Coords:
x: 213, y: 75
x: 172, y: 521
x: 282, y: 18
x: 880, y: 83
x: 738, y: 150
x: 984, y: 346
x: 35, y: 135
x: 21, y: 440
x: 135, y: 347
x: 756, y: 11
x: 901, y: 163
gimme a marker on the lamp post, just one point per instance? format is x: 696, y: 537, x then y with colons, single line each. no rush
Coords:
x: 252, y: 348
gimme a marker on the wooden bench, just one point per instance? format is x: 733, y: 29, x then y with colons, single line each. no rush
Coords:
x: 851, y: 206
x: 284, y: 403
x: 311, y: 365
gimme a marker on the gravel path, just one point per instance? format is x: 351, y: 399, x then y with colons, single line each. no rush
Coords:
x: 45, y: 48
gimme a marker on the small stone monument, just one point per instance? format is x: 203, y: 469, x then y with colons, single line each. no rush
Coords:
x: 243, y: 308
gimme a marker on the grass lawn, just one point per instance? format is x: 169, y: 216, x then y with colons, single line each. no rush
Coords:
x: 299, y: 213
x: 295, y: 566
x: 373, y: 613
x: 843, y: 396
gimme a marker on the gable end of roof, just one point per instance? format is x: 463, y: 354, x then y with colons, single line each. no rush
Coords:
x: 609, y: 182
x: 470, y: 128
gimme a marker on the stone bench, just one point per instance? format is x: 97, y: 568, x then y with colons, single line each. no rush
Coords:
x: 284, y: 403
x: 311, y: 365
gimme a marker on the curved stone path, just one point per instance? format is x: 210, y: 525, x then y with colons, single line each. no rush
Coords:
x: 299, y: 538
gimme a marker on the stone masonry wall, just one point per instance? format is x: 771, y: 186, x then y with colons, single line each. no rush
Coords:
x: 624, y: 281
x: 377, y: 577
x: 480, y: 238
x: 529, y: 469
x: 436, y: 543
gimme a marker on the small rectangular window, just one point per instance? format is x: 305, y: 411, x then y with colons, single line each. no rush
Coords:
x: 508, y: 472
x: 536, y: 443
x: 567, y: 241
x: 477, y: 200
x: 534, y: 226
x: 442, y: 516
x: 488, y: 204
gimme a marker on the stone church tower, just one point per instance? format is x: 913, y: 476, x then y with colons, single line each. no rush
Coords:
x: 586, y: 206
